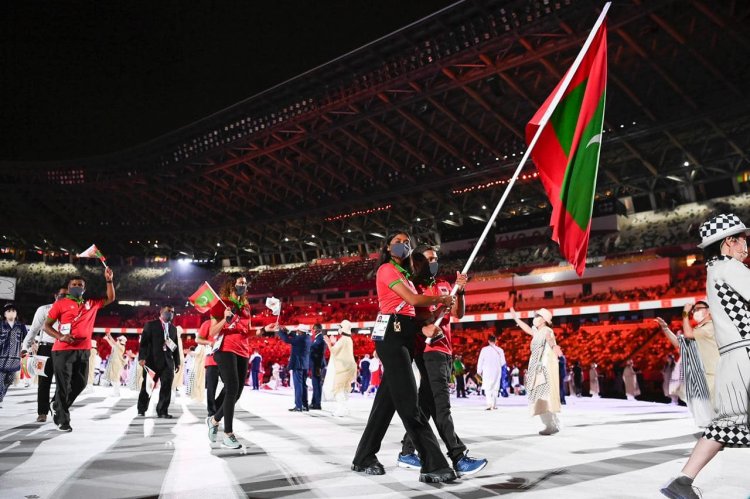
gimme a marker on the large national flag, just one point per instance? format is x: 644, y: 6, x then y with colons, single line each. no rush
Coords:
x: 205, y: 298
x: 93, y: 252
x: 567, y: 152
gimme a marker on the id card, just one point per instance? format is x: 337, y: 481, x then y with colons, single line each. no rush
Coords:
x: 171, y: 344
x: 217, y: 343
x: 64, y: 329
x: 381, y: 325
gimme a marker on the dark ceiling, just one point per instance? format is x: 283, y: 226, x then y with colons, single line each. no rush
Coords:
x: 400, y: 128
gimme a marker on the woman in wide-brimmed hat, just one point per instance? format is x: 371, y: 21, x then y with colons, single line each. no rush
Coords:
x: 543, y: 375
x: 724, y: 243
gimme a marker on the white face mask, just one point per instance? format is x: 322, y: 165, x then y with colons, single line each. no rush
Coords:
x: 699, y: 315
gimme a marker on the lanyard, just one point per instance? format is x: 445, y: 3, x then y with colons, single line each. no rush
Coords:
x: 403, y: 271
x: 237, y: 303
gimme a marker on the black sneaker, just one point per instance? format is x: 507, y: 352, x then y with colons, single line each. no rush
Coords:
x: 680, y: 488
x: 65, y: 428
x: 443, y: 475
x: 375, y: 468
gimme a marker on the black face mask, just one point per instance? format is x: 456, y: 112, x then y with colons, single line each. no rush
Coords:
x: 400, y: 250
x: 434, y: 268
x: 167, y: 316
x: 240, y: 289
x: 76, y: 291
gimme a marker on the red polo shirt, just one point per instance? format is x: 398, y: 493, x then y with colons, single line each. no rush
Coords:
x: 236, y: 335
x: 203, y: 333
x: 387, y: 277
x: 78, y: 317
x: 440, y: 288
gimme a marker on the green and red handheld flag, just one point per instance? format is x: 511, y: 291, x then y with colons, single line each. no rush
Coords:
x: 93, y: 252
x: 205, y: 298
x: 567, y: 150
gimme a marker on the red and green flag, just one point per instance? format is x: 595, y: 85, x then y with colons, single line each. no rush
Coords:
x: 567, y: 152
x: 205, y: 298
x: 93, y: 252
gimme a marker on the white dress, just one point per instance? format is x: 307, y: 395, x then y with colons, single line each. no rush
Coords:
x: 489, y: 367
x: 728, y: 291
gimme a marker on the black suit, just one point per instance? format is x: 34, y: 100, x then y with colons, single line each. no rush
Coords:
x: 161, y: 360
x: 317, y: 364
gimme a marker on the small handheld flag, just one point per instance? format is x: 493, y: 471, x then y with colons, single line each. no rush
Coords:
x: 205, y: 298
x: 275, y: 305
x: 93, y: 252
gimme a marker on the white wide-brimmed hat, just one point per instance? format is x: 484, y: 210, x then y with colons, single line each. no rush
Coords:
x: 545, y: 314
x: 345, y: 327
x: 717, y: 228
x: 303, y: 327
x: 122, y: 339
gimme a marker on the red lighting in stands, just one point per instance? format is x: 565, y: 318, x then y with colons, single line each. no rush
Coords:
x: 358, y: 213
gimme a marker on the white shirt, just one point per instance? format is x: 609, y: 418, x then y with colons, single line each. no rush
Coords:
x: 37, y: 326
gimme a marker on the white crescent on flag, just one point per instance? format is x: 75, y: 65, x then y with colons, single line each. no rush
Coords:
x: 596, y: 138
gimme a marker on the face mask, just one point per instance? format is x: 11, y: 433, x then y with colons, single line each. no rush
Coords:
x: 240, y: 289
x: 434, y: 268
x: 167, y: 316
x: 699, y: 315
x: 76, y: 291
x: 400, y: 250
x: 10, y: 316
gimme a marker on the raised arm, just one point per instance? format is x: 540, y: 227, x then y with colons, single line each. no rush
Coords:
x: 524, y: 327
x: 668, y: 332
x: 109, y: 277
x: 687, y: 328
x: 459, y: 306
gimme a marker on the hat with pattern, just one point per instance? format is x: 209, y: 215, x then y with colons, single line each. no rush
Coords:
x: 717, y: 228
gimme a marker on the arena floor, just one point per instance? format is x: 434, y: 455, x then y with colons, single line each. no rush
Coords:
x: 608, y: 448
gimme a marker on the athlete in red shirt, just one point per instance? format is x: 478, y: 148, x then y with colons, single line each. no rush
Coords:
x: 435, y: 361
x: 395, y: 347
x: 230, y: 326
x: 70, y: 353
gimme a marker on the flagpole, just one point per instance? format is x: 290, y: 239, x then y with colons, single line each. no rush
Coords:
x: 542, y: 123
x: 217, y: 295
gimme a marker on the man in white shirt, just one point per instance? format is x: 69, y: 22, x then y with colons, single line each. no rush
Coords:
x: 42, y: 347
x: 490, y: 368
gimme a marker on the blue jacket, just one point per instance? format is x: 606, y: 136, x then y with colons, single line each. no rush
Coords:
x: 318, y: 353
x: 300, y: 357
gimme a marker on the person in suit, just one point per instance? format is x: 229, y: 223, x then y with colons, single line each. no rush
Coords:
x: 256, y: 363
x: 158, y: 352
x: 317, y: 364
x: 299, y: 363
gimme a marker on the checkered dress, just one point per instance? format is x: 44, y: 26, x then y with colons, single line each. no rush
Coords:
x: 543, y: 375
x: 728, y: 291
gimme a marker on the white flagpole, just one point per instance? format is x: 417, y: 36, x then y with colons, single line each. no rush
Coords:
x: 542, y: 123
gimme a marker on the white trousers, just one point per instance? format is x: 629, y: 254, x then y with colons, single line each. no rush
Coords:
x: 550, y: 420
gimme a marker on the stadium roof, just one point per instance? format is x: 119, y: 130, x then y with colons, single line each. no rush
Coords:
x: 417, y: 129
